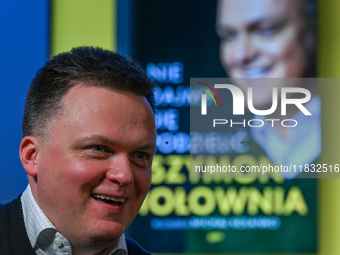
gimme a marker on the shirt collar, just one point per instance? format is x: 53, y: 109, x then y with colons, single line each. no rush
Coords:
x: 44, y: 236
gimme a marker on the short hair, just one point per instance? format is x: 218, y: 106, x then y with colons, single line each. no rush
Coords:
x: 90, y: 65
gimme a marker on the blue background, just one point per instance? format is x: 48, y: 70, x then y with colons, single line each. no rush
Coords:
x: 24, y: 48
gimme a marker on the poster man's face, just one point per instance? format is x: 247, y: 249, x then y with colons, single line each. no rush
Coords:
x: 261, y: 38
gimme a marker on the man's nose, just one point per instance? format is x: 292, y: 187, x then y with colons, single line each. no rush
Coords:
x: 244, y: 49
x: 121, y: 171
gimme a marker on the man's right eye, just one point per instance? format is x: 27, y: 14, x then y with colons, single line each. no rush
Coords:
x: 268, y: 29
x: 99, y: 148
x: 97, y: 152
x: 228, y: 36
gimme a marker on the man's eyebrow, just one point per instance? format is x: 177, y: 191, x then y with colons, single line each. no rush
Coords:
x: 270, y: 19
x: 100, y: 138
x: 222, y: 29
x: 148, y: 146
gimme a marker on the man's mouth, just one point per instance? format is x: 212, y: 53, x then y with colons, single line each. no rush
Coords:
x: 256, y: 73
x: 109, y: 200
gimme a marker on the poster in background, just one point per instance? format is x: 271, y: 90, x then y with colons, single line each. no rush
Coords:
x: 176, y: 41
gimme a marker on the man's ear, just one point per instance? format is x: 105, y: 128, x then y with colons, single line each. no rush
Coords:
x: 28, y: 152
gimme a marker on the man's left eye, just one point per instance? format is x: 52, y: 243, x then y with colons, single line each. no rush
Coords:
x: 270, y: 29
x: 141, y: 155
x: 140, y: 159
x: 98, y: 148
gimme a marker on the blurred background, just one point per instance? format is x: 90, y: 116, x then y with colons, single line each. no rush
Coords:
x: 175, y: 41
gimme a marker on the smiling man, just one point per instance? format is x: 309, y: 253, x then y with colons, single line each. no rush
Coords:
x: 88, y: 143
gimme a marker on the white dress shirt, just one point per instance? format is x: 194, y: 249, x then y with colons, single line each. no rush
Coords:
x: 45, y: 238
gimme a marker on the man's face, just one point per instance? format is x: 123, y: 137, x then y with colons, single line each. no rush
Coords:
x: 94, y: 169
x: 261, y: 38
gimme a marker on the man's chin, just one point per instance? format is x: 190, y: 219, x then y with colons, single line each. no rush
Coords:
x: 107, y: 232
